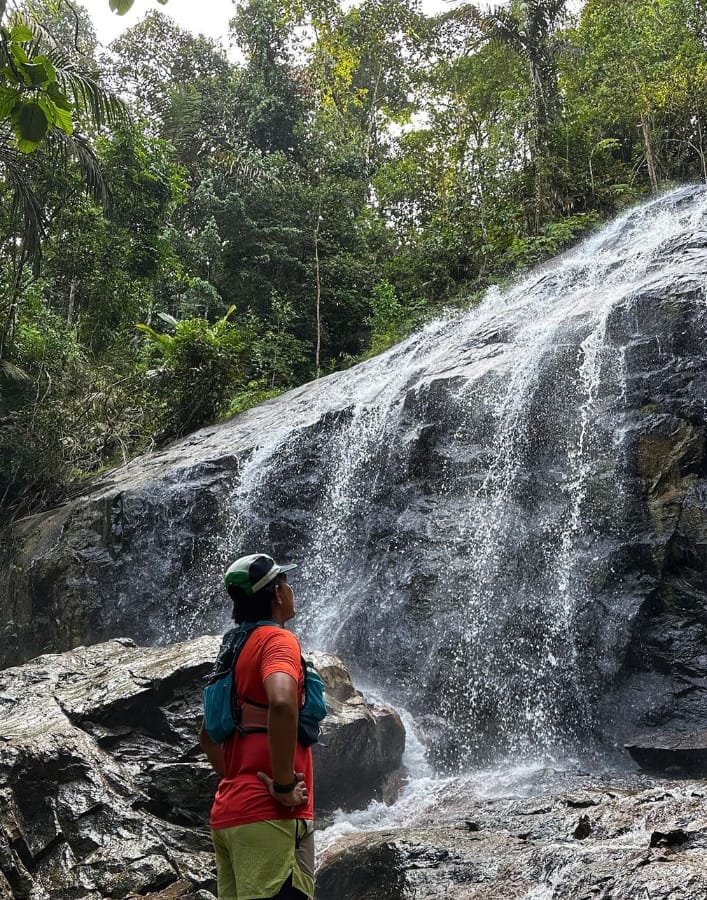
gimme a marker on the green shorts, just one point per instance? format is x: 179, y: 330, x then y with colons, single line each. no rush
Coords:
x: 254, y: 861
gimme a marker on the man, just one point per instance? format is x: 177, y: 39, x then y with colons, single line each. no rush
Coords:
x: 262, y: 816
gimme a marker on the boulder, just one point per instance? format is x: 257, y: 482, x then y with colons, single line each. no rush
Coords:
x: 681, y: 753
x: 104, y: 790
x: 358, y: 757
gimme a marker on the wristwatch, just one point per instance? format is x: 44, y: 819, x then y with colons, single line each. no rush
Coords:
x: 284, y: 788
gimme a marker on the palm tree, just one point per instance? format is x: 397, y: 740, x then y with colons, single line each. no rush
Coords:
x: 44, y: 94
x: 528, y: 27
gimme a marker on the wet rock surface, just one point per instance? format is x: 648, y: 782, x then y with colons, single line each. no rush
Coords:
x: 104, y: 791
x: 514, y: 501
x: 581, y: 842
x: 359, y: 754
x: 680, y: 754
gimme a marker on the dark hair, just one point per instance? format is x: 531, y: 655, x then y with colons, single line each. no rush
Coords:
x: 256, y: 607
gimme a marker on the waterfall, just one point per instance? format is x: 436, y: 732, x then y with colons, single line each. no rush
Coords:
x: 458, y: 504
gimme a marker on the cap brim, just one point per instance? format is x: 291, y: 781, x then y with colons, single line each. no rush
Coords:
x: 272, y: 575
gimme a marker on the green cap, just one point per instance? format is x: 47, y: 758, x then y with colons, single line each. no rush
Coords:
x: 254, y: 572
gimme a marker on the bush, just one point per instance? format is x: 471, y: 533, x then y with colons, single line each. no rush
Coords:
x: 390, y: 320
x: 202, y: 365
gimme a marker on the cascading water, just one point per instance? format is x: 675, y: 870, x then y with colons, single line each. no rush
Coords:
x: 458, y: 504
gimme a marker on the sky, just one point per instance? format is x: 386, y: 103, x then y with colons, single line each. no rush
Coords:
x: 209, y: 17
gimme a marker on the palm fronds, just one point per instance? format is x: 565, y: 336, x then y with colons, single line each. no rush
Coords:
x: 26, y: 207
x: 64, y: 147
x: 73, y: 93
x: 503, y: 26
x: 12, y: 372
x: 89, y: 97
x: 244, y: 168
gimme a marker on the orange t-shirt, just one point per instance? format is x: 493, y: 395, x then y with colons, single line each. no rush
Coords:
x: 241, y: 797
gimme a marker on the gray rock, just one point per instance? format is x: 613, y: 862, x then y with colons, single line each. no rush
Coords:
x: 682, y: 753
x: 103, y: 788
x: 633, y: 843
x: 361, y: 746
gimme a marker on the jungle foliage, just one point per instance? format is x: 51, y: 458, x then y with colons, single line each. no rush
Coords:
x: 182, y: 235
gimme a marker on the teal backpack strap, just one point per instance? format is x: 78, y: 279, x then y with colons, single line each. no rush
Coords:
x: 221, y: 713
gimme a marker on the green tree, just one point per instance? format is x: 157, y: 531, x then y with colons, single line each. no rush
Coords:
x: 639, y: 83
x: 45, y: 96
x: 529, y: 28
x: 104, y: 279
x: 270, y: 90
x: 455, y: 190
x: 182, y: 85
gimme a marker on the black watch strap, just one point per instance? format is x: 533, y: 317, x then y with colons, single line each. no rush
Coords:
x: 284, y: 788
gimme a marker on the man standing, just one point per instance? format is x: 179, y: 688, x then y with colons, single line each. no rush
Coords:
x: 262, y: 816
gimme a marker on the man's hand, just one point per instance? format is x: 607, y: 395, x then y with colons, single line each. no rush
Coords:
x: 298, y: 796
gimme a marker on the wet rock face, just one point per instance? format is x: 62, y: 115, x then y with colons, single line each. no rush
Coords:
x: 503, y: 521
x: 359, y: 754
x: 104, y: 791
x: 592, y: 842
x: 109, y: 564
x: 81, y: 814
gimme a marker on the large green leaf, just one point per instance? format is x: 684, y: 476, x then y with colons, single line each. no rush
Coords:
x: 120, y: 6
x: 38, y: 74
x: 59, y: 118
x: 59, y: 97
x: 21, y: 33
x: 18, y: 54
x: 8, y: 101
x: 30, y: 124
x: 163, y: 340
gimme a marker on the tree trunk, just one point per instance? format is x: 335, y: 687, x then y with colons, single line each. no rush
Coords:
x: 650, y: 156
x: 701, y: 150
x: 591, y: 173
x: 7, y: 337
x: 319, y: 289
x: 372, y: 125
x: 72, y: 300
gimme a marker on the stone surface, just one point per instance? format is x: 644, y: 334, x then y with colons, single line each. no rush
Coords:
x: 501, y: 522
x: 104, y: 791
x: 616, y: 843
x: 361, y: 746
x: 678, y: 754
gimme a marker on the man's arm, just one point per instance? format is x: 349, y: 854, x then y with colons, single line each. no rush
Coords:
x: 282, y: 724
x: 283, y: 713
x: 213, y: 751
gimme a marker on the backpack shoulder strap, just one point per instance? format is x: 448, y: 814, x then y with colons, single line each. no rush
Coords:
x: 242, y: 633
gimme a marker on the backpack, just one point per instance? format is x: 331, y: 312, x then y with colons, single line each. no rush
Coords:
x: 313, y: 709
x: 222, y: 714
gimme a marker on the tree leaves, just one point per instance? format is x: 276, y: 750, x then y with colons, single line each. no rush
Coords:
x: 31, y: 124
x: 41, y: 91
x: 121, y: 6
x: 21, y: 33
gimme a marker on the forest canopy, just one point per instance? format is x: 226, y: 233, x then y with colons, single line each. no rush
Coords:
x: 183, y: 235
